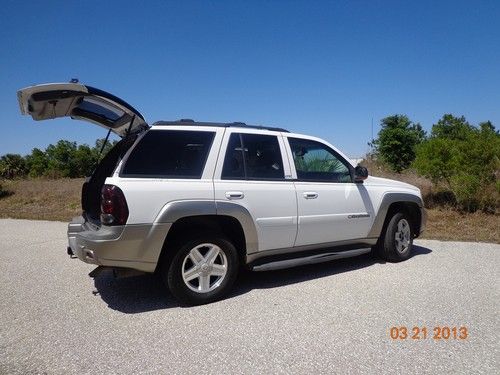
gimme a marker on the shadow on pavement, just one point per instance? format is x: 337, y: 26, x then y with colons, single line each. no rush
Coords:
x: 147, y: 293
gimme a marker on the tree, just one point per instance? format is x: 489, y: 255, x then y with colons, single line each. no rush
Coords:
x: 397, y: 140
x: 64, y: 159
x: 85, y: 160
x: 452, y: 127
x: 61, y: 160
x: 37, y: 163
x: 109, y: 145
x: 465, y: 159
x: 12, y: 166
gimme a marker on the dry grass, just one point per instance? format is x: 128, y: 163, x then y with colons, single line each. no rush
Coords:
x: 444, y: 222
x: 450, y: 225
x: 42, y: 199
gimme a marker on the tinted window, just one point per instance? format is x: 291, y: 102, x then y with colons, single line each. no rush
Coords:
x: 253, y: 157
x: 100, y: 109
x: 169, y: 154
x: 315, y: 161
x: 233, y: 162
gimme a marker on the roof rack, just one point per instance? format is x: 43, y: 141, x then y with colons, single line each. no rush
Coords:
x: 219, y: 124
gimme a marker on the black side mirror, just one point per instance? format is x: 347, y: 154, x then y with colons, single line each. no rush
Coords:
x: 360, y: 173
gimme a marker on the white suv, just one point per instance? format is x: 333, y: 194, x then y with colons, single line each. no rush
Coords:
x: 196, y: 201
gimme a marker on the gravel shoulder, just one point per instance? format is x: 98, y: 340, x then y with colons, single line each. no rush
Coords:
x: 327, y: 318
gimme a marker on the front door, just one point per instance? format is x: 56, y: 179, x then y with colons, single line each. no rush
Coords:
x: 331, y: 207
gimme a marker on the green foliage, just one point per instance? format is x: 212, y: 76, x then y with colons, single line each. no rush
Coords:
x: 463, y: 159
x: 318, y: 162
x: 37, y: 163
x: 452, y: 127
x: 397, y: 140
x: 436, y: 159
x: 64, y: 159
x: 12, y: 166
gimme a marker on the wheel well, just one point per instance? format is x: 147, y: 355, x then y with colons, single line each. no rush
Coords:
x: 187, y: 227
x: 411, y: 209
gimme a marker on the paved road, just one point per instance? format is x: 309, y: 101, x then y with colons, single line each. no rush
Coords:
x: 329, y: 318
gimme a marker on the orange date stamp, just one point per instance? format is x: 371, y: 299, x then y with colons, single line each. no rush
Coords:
x: 423, y: 333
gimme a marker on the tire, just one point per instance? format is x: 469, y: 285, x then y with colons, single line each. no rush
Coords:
x: 396, y: 242
x: 196, y: 276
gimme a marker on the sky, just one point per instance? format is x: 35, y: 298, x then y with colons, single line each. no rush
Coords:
x: 320, y: 68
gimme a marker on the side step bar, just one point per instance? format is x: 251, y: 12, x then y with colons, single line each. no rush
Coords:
x: 312, y: 259
x: 118, y: 273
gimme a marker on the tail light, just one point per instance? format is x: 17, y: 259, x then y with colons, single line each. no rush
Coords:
x: 114, y: 209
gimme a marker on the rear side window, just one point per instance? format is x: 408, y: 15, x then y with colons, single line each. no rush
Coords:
x: 253, y: 157
x: 169, y: 154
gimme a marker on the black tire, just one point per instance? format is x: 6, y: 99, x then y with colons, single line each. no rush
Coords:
x: 172, y: 273
x: 389, y: 247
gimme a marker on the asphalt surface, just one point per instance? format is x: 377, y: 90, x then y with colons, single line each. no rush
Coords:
x: 328, y: 318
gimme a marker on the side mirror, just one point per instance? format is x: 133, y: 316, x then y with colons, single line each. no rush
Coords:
x: 360, y: 174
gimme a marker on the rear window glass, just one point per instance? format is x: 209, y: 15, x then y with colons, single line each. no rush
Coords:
x: 253, y: 157
x: 169, y: 154
x: 100, y: 109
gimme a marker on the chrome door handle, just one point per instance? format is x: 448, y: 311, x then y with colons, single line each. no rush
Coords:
x: 310, y: 195
x: 234, y: 195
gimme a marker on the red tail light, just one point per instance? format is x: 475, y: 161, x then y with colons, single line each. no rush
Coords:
x: 114, y: 209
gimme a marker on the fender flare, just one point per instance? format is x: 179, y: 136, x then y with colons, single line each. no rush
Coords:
x: 176, y: 210
x: 387, y: 200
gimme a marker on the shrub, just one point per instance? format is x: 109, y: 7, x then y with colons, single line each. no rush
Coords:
x: 465, y: 160
x: 397, y: 140
x: 12, y: 166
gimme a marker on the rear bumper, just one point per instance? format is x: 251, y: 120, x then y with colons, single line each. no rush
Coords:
x: 128, y: 246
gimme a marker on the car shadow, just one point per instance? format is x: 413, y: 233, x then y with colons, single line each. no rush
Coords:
x: 145, y: 293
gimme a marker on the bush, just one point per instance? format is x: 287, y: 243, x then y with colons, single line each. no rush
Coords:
x: 465, y: 160
x: 12, y: 166
x: 4, y: 193
x: 397, y: 140
x: 64, y: 159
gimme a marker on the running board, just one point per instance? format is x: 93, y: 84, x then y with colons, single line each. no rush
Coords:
x: 312, y: 259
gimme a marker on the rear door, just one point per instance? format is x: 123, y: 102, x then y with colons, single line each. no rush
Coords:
x: 253, y: 172
x: 77, y: 101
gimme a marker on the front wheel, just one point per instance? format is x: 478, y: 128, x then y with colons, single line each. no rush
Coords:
x: 395, y: 244
x: 203, y: 270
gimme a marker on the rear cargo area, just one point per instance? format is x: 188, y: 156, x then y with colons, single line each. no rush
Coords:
x: 91, y: 190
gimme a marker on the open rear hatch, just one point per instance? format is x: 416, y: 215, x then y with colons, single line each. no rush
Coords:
x: 80, y: 102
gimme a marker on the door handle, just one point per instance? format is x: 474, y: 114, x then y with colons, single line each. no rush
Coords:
x: 310, y: 195
x: 234, y: 195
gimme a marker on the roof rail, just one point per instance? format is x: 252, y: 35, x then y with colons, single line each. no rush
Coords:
x: 219, y: 124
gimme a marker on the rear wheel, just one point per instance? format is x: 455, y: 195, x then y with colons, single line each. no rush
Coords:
x: 203, y: 270
x: 396, y: 242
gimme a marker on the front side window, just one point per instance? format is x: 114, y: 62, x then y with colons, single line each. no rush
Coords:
x: 169, y: 154
x: 315, y: 161
x: 253, y: 157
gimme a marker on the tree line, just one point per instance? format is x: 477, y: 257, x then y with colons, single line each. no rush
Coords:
x: 456, y: 156
x: 64, y: 159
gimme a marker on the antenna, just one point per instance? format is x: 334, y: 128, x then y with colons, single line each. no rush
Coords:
x: 372, y: 129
